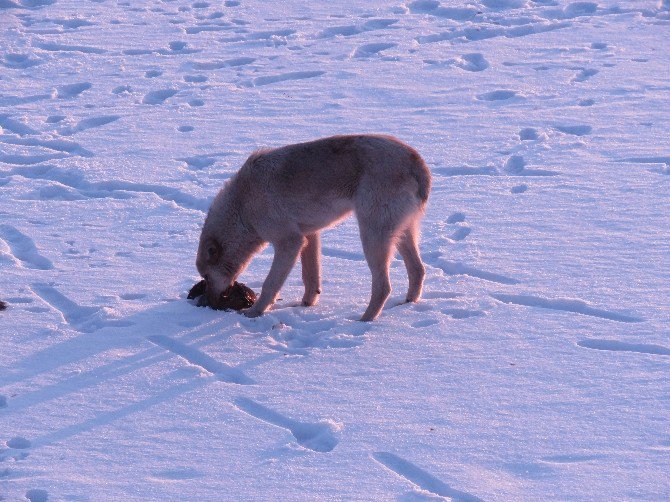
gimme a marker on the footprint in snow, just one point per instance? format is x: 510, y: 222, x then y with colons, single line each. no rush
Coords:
x: 37, y: 495
x: 19, y: 443
x: 367, y: 50
x: 616, y: 346
x: 574, y: 130
x: 420, y: 478
x: 318, y: 437
x: 500, y: 95
x: 528, y: 134
x: 425, y: 323
x: 158, y: 97
x: 472, y: 62
x: 72, y: 90
x: 584, y: 74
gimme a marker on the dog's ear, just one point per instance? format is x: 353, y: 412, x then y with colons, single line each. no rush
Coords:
x: 213, y: 252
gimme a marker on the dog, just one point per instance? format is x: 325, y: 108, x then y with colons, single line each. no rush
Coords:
x: 286, y: 196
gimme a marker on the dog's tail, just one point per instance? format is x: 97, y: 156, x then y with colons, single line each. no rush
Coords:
x: 421, y: 174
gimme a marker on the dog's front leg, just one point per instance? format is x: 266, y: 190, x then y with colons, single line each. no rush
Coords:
x: 310, y: 257
x: 286, y: 254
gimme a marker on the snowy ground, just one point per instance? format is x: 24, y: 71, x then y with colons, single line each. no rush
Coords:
x: 535, y: 368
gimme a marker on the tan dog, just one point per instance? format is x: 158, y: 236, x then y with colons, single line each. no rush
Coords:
x: 285, y: 196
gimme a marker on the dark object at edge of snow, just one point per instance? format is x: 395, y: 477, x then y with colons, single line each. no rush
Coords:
x: 237, y: 297
x: 3, y: 305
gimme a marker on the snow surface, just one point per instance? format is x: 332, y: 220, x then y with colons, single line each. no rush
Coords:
x: 535, y: 368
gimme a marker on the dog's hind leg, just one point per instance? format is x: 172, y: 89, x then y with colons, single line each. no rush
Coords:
x: 378, y: 248
x: 409, y: 250
x: 310, y: 258
x: 286, y: 254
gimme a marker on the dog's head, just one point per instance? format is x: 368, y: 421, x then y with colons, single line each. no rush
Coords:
x: 223, y: 253
x: 218, y: 276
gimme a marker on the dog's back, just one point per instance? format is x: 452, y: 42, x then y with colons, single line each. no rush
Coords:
x: 336, y: 166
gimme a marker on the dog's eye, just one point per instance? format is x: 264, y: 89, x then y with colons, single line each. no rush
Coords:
x: 213, y: 254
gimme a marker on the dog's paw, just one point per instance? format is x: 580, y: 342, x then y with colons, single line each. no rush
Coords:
x: 251, y: 313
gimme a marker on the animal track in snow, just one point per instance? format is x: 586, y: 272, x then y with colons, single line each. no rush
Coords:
x: 72, y: 90
x: 575, y: 130
x: 482, y: 32
x: 58, y: 145
x: 37, y: 495
x: 434, y: 8
x: 616, y: 346
x: 15, y: 126
x: 565, y: 305
x: 18, y: 443
x: 421, y: 478
x: 221, y: 371
x: 178, y: 473
x: 53, y: 47
x: 283, y: 77
x: 196, y: 79
x: 342, y: 254
x: 662, y: 161
x: 571, y: 458
x: 89, y: 123
x: 465, y: 171
x: 516, y: 166
x: 457, y: 268
x: 499, y: 95
x: 158, y: 97
x: 456, y: 313
x: 20, y: 61
x: 351, y: 30
x: 217, y: 65
x: 318, y: 437
x: 456, y: 218
x: 367, y: 50
x: 112, y: 188
x: 84, y: 319
x: 26, y: 160
x: 23, y: 248
x: 425, y: 323
x: 472, y: 62
x: 528, y: 134
x: 586, y: 102
x: 584, y: 75
x: 460, y: 233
